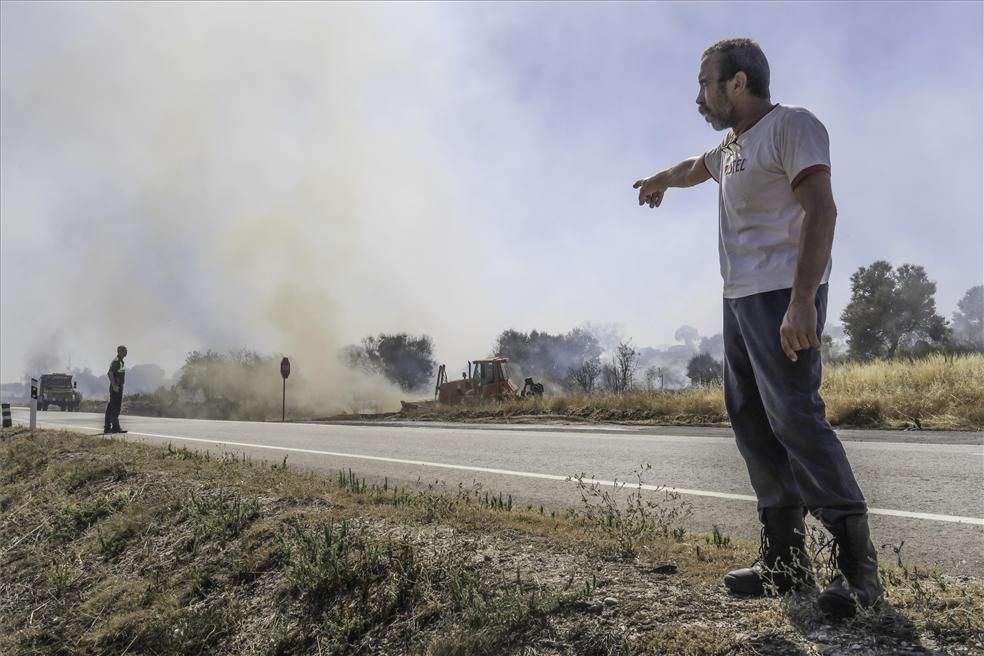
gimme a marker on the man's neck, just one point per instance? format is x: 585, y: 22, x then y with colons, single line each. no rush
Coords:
x: 752, y: 115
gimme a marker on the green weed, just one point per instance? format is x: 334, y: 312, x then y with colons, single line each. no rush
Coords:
x: 635, y: 519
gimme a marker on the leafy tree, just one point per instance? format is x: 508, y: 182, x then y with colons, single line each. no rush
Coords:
x: 968, y: 319
x: 890, y: 310
x: 549, y: 357
x: 400, y: 358
x: 201, y: 373
x: 704, y: 369
x: 237, y: 384
x: 516, y: 346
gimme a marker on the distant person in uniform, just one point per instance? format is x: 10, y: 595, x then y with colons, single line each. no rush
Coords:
x: 776, y: 227
x: 117, y: 376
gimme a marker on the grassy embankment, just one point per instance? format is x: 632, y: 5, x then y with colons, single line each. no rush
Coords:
x: 937, y: 391
x: 109, y: 547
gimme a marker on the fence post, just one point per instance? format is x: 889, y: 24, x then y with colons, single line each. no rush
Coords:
x: 34, y: 404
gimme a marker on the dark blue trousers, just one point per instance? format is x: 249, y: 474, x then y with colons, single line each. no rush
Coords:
x: 794, y: 458
x: 113, y: 410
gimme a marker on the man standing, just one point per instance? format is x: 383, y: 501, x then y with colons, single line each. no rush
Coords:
x: 776, y: 217
x: 117, y: 376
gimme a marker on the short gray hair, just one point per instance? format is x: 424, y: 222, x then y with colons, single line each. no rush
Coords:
x: 743, y: 55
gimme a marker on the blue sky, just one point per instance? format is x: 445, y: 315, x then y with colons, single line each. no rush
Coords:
x: 292, y: 178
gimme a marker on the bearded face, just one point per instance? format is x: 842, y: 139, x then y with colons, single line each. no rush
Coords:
x: 718, y: 110
x: 712, y: 100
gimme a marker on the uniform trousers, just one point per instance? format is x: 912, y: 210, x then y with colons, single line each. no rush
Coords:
x: 113, y: 410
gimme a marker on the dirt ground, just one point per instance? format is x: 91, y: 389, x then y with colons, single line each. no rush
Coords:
x: 109, y: 547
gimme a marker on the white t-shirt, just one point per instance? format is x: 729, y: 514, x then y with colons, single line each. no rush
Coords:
x: 760, y: 218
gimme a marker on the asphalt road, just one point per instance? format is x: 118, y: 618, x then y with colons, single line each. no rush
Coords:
x: 924, y: 488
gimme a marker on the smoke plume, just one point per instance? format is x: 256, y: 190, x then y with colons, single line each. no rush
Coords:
x: 221, y: 176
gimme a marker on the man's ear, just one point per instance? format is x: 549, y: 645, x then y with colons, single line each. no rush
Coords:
x: 740, y: 82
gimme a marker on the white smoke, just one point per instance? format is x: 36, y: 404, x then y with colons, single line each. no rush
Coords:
x: 182, y: 177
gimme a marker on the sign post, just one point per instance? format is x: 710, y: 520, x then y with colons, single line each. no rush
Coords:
x: 34, y: 403
x: 284, y: 372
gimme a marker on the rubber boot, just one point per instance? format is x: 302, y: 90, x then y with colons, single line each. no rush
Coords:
x: 783, y: 563
x: 856, y: 585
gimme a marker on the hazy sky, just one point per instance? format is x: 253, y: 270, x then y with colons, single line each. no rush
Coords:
x: 290, y: 178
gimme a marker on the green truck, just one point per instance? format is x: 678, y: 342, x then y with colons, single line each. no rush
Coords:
x: 60, y: 390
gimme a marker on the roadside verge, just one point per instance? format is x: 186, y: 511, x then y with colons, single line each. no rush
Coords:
x: 108, y: 546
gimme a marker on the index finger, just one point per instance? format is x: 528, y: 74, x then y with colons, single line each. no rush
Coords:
x: 638, y: 183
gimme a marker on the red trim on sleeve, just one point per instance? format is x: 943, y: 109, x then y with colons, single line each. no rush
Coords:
x: 807, y: 172
x: 703, y: 160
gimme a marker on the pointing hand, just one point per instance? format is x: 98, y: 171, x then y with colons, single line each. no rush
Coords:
x: 651, y: 191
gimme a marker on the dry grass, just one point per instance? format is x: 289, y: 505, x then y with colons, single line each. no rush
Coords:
x: 940, y: 391
x: 935, y: 392
x: 695, y: 406
x: 110, y: 547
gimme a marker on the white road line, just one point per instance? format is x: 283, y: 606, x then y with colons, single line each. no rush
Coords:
x: 607, y: 432
x: 444, y: 465
x: 956, y: 519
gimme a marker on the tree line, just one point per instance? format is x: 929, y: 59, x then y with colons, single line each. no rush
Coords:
x: 892, y: 312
